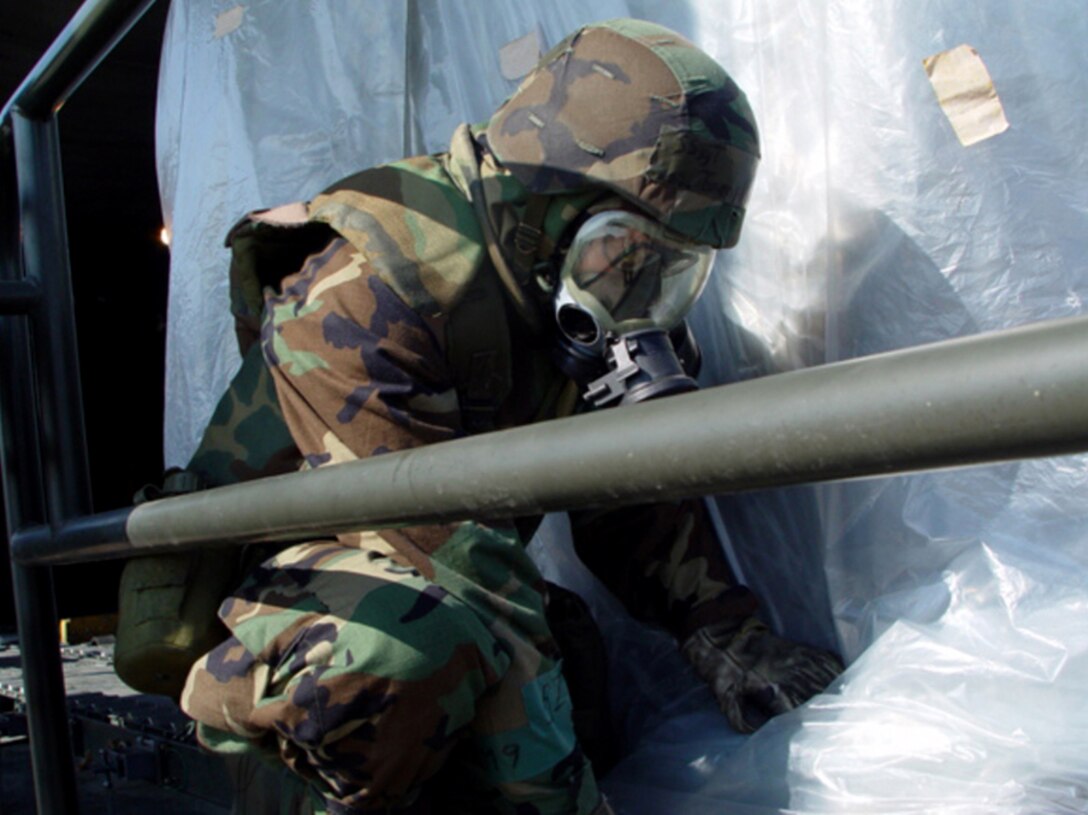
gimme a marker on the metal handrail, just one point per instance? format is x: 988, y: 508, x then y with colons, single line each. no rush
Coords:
x: 1011, y: 394
x: 90, y: 35
x: 44, y: 448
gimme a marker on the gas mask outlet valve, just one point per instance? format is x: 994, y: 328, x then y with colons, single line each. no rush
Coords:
x: 641, y: 365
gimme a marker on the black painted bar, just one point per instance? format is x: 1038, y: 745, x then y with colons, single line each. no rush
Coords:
x: 89, y: 36
x: 24, y: 494
x: 45, y: 473
x: 101, y: 536
x: 18, y: 296
x: 45, y: 260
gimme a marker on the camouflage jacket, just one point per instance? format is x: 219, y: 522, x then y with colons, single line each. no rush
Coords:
x: 418, y: 255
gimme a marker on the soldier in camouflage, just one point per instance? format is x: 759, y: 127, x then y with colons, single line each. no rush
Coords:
x: 412, y: 670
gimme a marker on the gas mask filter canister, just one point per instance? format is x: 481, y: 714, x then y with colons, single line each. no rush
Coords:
x: 624, y: 288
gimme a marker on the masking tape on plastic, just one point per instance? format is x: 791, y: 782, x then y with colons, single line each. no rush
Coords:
x: 966, y: 94
x: 228, y: 21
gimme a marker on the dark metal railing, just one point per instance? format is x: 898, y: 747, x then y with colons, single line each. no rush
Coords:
x: 1011, y: 394
x: 45, y: 473
x: 18, y: 296
x: 88, y: 38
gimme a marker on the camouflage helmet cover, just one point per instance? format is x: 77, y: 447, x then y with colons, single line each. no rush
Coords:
x: 635, y: 108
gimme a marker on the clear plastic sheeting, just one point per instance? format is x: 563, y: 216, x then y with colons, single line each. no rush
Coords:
x: 960, y: 598
x: 268, y: 102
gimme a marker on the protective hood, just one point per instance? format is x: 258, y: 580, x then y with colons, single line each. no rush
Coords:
x: 414, y: 225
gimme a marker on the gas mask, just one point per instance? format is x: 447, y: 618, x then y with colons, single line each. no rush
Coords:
x: 624, y: 288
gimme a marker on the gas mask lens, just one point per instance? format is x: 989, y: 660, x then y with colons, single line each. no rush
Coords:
x: 625, y: 287
x: 624, y: 272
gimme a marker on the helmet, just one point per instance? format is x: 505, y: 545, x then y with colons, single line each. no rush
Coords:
x: 634, y: 108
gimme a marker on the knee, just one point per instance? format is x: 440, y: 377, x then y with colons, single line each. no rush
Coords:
x: 416, y: 657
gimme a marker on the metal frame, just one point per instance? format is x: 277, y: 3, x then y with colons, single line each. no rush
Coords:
x: 45, y: 472
x: 1012, y: 394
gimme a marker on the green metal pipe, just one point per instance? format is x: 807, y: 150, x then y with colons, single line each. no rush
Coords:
x: 1014, y: 394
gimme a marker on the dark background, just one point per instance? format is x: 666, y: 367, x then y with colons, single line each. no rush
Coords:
x: 119, y: 266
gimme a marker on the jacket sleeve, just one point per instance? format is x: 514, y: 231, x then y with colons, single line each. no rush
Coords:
x: 357, y: 372
x: 664, y: 562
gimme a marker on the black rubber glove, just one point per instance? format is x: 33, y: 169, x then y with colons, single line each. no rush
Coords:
x: 755, y: 675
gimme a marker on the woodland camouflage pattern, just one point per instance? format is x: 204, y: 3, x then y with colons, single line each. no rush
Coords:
x: 246, y: 436
x: 636, y: 108
x: 362, y: 693
x: 409, y: 666
x: 367, y: 680
x: 360, y: 373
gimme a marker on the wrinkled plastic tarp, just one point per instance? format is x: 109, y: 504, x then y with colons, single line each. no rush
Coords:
x: 959, y: 598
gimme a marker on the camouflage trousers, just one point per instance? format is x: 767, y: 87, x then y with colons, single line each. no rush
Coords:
x: 340, y: 658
